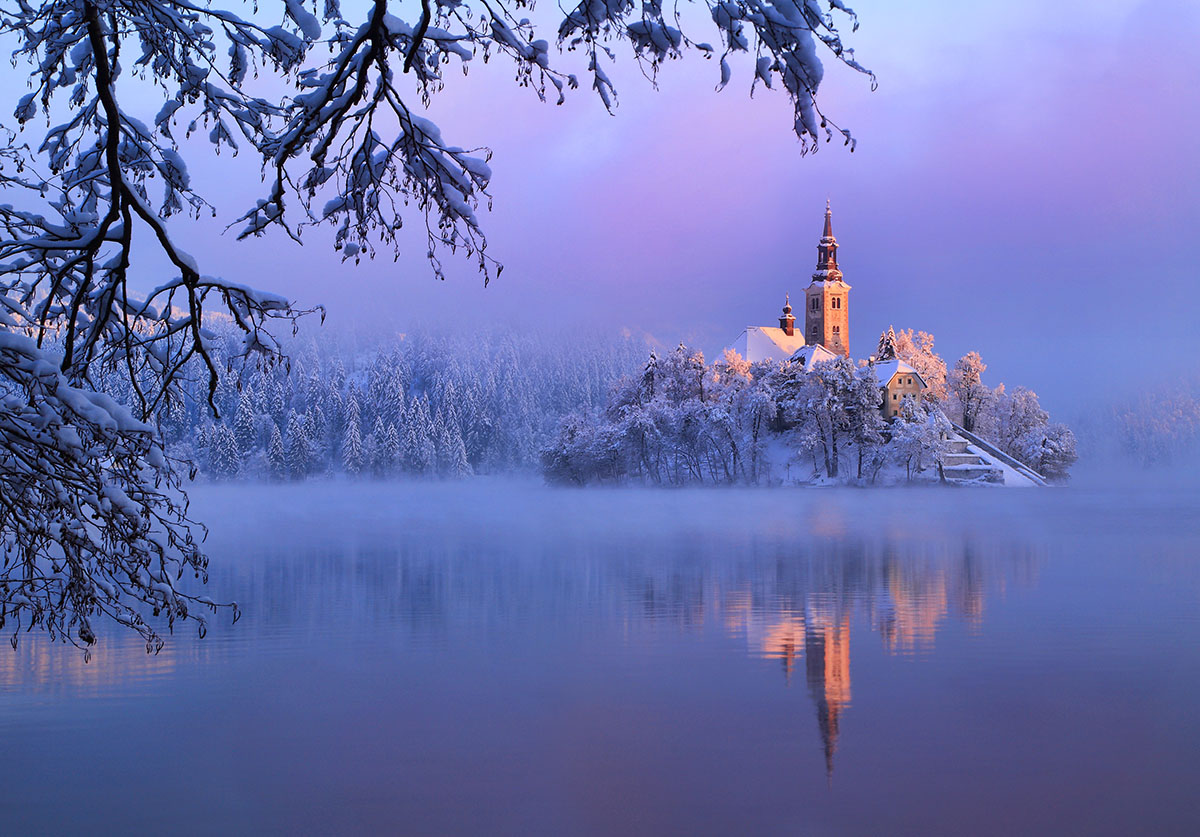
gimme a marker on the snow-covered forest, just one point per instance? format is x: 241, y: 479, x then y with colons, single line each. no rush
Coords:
x: 1160, y: 426
x: 592, y: 409
x: 684, y: 421
x: 434, y: 404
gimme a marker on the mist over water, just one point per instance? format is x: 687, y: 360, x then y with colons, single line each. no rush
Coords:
x: 500, y: 657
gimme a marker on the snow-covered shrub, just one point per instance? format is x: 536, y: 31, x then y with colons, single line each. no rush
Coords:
x: 1049, y: 449
x: 918, y: 439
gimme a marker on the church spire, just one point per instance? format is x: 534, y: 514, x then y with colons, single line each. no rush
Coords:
x: 826, y: 300
x: 827, y: 266
x: 787, y: 322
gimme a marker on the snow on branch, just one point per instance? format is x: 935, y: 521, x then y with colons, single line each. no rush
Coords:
x: 333, y: 110
x: 92, y: 525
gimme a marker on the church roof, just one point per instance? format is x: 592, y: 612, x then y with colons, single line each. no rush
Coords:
x: 758, y: 343
x: 810, y: 355
x: 885, y: 370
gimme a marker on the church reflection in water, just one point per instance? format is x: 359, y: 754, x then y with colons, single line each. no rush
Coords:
x: 901, y: 595
x: 795, y: 601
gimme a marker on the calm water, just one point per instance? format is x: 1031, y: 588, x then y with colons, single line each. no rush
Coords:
x: 498, y: 658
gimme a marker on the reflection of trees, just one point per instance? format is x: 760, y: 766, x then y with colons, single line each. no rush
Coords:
x: 792, y: 599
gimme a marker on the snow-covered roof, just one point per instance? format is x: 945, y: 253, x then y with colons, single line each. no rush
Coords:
x: 758, y: 343
x: 820, y: 277
x: 885, y: 370
x: 813, y: 354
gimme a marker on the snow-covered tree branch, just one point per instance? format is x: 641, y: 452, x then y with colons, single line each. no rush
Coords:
x: 330, y: 101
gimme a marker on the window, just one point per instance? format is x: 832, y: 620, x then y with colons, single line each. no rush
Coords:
x: 814, y: 304
x: 837, y: 330
x: 814, y: 331
x: 893, y: 396
x: 910, y: 380
x: 836, y: 302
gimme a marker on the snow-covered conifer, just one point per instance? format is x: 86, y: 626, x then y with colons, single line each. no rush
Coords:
x: 225, y: 459
x: 299, y: 451
x: 887, y: 345
x: 419, y: 450
x: 376, y: 455
x: 277, y: 461
x: 352, y: 447
x: 390, y: 451
x: 244, y: 428
x: 316, y: 429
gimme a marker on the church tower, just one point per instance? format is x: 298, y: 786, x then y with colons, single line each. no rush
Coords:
x: 787, y: 322
x: 827, y: 299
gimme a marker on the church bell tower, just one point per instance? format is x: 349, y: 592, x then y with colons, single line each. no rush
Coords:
x: 827, y: 299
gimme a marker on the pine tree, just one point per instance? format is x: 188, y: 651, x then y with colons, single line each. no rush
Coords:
x: 420, y: 452
x: 244, y: 429
x: 376, y: 447
x: 649, y: 372
x: 455, y: 460
x: 316, y: 430
x: 201, y: 444
x: 276, y: 456
x: 390, y: 450
x: 224, y: 458
x: 299, y: 455
x: 352, y: 447
x: 887, y: 345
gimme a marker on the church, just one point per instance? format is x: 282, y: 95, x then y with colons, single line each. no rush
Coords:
x: 825, y: 334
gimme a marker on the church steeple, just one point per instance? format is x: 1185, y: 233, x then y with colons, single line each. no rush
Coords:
x: 827, y: 266
x: 827, y: 299
x: 787, y: 322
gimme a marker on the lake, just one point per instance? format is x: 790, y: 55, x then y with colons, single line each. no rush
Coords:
x: 496, y: 657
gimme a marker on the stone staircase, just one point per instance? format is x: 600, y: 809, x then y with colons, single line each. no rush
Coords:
x: 962, y: 464
x: 972, y: 459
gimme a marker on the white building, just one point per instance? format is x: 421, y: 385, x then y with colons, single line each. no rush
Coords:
x: 758, y: 343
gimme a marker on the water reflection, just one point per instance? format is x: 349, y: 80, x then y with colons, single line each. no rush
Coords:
x: 803, y: 609
x: 441, y: 659
x: 797, y: 602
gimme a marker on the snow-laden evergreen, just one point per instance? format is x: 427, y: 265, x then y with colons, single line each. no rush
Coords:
x: 426, y: 405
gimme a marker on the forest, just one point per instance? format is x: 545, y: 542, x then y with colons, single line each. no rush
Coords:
x: 584, y: 410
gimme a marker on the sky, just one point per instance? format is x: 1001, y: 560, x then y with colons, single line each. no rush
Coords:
x: 1025, y: 185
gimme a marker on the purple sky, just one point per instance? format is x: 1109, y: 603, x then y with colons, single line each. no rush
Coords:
x: 1026, y: 184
